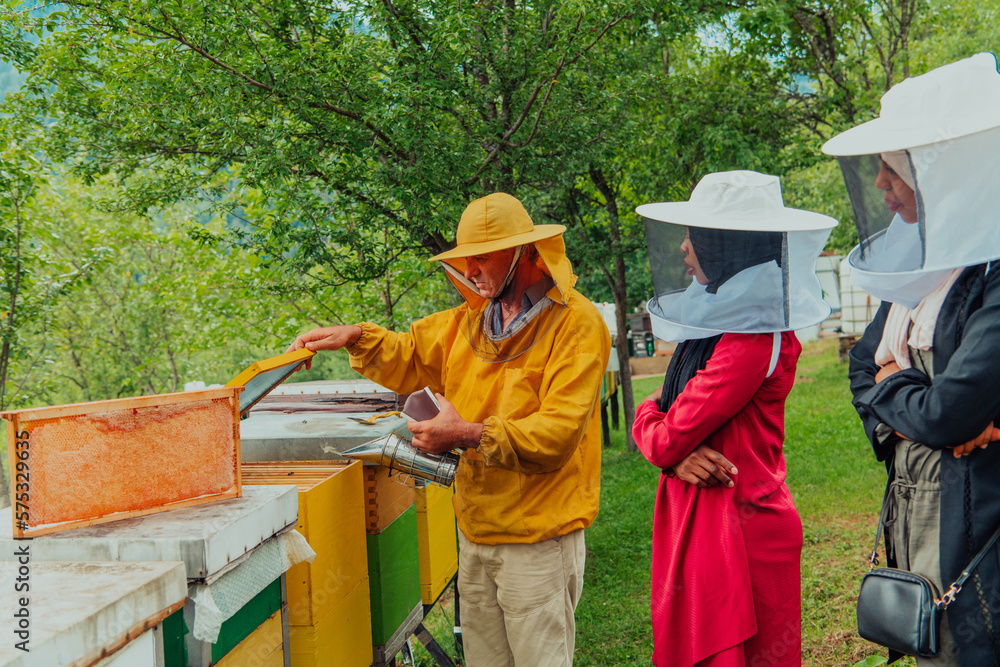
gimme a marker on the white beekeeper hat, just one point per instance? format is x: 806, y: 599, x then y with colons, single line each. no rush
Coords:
x: 758, y: 258
x: 940, y: 132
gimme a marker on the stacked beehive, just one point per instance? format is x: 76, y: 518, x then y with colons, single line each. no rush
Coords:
x: 252, y: 636
x: 92, y: 613
x: 328, y: 599
x: 233, y: 556
x: 393, y: 562
x: 262, y: 648
x: 437, y: 539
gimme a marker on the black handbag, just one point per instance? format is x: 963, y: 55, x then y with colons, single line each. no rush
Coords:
x: 901, y: 610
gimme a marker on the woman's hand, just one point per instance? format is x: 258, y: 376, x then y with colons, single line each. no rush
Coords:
x: 889, y: 369
x: 655, y: 396
x: 705, y: 467
x: 988, y: 435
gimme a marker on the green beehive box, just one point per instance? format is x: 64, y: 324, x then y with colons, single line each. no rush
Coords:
x: 394, y: 577
x: 234, y: 630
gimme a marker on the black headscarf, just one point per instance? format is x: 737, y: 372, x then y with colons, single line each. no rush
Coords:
x: 722, y: 253
x: 689, y: 357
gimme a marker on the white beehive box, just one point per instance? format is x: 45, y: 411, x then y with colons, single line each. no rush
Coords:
x: 857, y: 307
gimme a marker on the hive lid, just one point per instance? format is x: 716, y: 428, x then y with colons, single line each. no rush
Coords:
x: 80, y: 611
x: 207, y: 538
x: 263, y: 376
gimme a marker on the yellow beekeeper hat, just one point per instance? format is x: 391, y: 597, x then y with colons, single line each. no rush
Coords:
x: 495, y: 222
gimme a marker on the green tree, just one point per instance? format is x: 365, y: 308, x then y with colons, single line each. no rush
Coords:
x: 33, y: 282
x: 685, y: 107
x: 29, y: 288
x: 843, y: 55
x: 369, y: 126
x: 391, y: 116
x: 849, y: 52
x: 166, y: 305
x: 949, y: 31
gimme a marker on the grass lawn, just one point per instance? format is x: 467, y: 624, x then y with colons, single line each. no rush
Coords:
x: 837, y: 486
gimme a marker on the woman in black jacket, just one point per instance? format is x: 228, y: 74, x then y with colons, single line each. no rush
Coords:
x: 925, y: 373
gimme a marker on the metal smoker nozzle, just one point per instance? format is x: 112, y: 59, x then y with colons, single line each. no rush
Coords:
x: 397, y: 453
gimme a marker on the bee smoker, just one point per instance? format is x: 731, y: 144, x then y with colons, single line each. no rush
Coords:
x: 398, y: 454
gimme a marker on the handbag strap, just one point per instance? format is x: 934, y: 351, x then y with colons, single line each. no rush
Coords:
x: 873, y: 561
x: 956, y: 587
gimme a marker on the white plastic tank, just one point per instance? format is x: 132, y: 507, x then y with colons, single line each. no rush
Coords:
x: 857, y: 307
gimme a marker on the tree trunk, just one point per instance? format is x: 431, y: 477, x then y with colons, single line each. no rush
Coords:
x: 619, y: 289
x: 621, y: 346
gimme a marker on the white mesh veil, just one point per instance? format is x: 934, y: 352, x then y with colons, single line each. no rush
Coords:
x: 757, y: 260
x: 934, y: 136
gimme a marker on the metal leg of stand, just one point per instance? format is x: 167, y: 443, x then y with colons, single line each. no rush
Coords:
x: 429, y: 643
x: 459, y: 646
x: 407, y: 650
x: 605, y: 433
x: 441, y: 658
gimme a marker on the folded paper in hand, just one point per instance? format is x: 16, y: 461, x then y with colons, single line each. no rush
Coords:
x: 421, y: 405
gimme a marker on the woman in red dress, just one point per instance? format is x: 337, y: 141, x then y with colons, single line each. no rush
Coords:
x: 726, y: 534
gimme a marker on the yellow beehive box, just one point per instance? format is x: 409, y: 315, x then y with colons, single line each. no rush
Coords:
x: 342, y: 638
x: 437, y: 540
x: 262, y: 648
x: 385, y: 498
x: 331, y: 518
x: 89, y: 463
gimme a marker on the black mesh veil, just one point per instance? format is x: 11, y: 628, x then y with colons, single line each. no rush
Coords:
x: 666, y: 261
x: 483, y: 326
x: 522, y: 336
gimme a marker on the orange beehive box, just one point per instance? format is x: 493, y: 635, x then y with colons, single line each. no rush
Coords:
x: 87, y: 463
x: 385, y: 498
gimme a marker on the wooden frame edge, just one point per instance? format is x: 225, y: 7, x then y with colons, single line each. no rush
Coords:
x: 153, y: 400
x: 131, y: 514
x: 132, y: 633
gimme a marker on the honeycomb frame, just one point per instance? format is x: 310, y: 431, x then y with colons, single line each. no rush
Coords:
x: 91, y: 463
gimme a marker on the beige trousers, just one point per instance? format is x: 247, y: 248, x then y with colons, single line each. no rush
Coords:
x: 518, y: 601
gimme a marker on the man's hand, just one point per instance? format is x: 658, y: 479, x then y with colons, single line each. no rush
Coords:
x: 705, y: 467
x: 986, y: 437
x: 326, y: 338
x: 446, y: 431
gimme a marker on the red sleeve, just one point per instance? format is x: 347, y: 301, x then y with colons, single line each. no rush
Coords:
x: 712, y: 397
